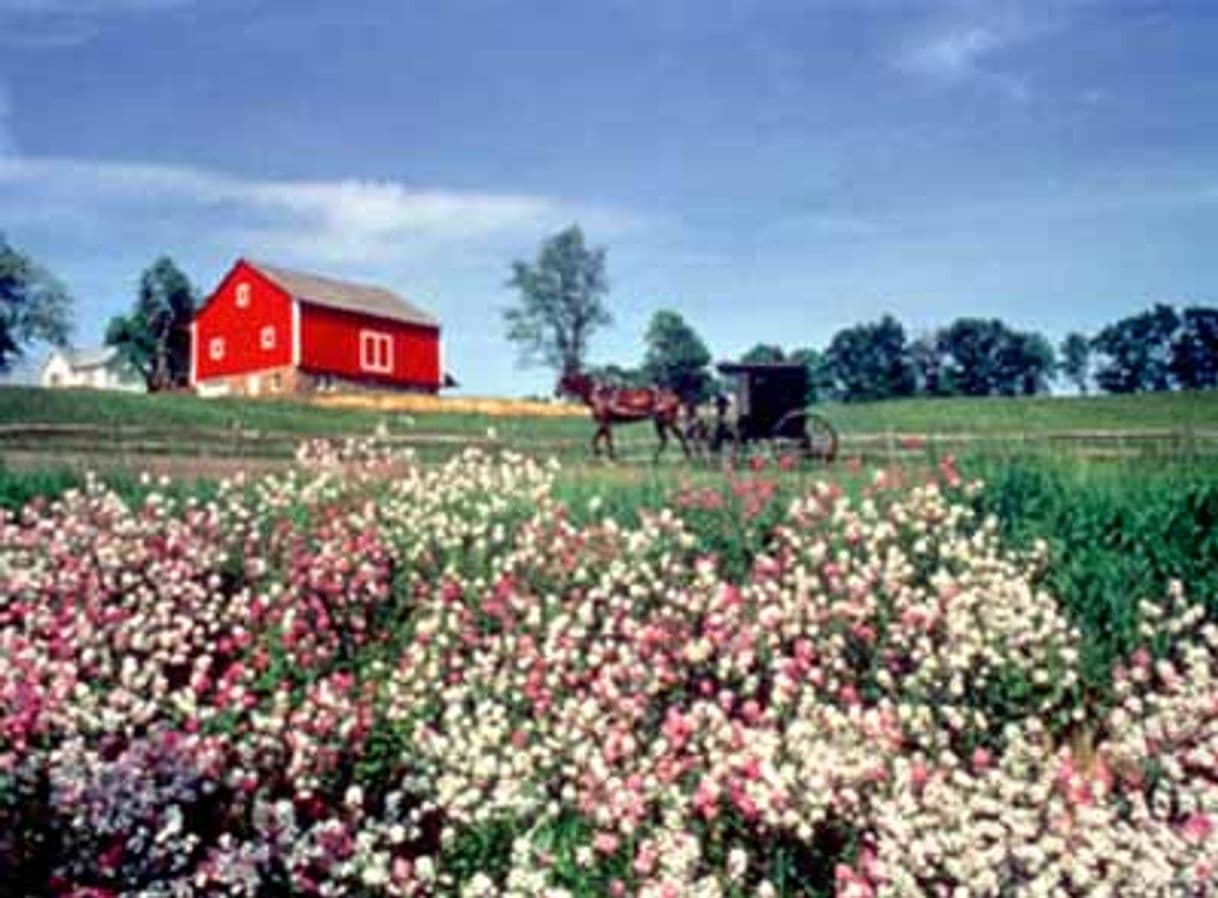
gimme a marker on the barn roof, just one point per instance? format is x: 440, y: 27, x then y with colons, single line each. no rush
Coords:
x: 344, y: 295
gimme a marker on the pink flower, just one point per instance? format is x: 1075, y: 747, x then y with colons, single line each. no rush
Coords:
x: 1198, y: 828
x: 401, y: 869
x: 644, y: 861
x: 981, y: 760
x: 605, y: 843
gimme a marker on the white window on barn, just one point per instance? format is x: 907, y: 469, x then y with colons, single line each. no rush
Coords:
x: 243, y: 295
x: 215, y: 349
x: 376, y: 352
x: 267, y: 337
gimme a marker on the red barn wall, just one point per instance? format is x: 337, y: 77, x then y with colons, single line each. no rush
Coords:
x: 242, y: 328
x: 330, y: 344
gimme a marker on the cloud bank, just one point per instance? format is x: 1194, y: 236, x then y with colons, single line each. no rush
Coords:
x: 343, y: 221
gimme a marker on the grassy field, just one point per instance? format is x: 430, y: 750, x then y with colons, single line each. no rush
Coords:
x: 999, y: 415
x: 1197, y: 411
x: 192, y: 438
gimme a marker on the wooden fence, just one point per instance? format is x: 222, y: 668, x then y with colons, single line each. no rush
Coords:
x: 236, y: 443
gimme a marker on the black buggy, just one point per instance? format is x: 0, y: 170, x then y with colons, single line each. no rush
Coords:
x: 768, y: 410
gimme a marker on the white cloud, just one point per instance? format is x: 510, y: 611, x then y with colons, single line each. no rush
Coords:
x: 339, y: 221
x: 980, y: 41
x: 954, y: 53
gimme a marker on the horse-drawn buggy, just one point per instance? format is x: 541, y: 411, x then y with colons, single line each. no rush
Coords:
x: 768, y: 410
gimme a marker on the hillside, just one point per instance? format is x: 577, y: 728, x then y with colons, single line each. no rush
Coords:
x: 1157, y: 411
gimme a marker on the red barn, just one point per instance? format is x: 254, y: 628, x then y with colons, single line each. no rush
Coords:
x: 269, y: 330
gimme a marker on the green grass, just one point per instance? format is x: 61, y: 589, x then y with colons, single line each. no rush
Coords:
x: 1146, y: 411
x: 36, y: 406
x: 982, y: 416
x: 1116, y: 534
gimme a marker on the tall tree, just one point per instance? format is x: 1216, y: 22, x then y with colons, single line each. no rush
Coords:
x: 871, y: 361
x: 34, y: 305
x: 985, y: 357
x: 155, y: 337
x: 676, y: 357
x: 1194, y: 352
x: 1028, y: 363
x: 1136, y: 352
x: 1075, y: 363
x: 972, y: 349
x: 562, y: 301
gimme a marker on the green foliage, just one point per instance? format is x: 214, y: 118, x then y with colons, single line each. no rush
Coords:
x: 1028, y: 364
x: 677, y: 358
x: 562, y: 301
x: 1194, y: 353
x: 1136, y: 352
x: 1075, y: 364
x: 155, y: 337
x: 1116, y: 535
x: 985, y: 357
x: 19, y: 489
x: 820, y: 379
x: 763, y: 354
x: 33, y: 305
x: 871, y: 361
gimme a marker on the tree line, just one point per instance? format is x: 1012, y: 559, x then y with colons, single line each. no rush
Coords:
x: 562, y: 302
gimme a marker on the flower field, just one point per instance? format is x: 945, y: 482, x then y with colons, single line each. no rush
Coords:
x: 371, y: 677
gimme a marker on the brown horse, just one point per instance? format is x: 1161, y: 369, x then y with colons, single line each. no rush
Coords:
x: 612, y: 405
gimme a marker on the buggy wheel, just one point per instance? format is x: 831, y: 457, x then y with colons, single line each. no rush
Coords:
x: 815, y: 440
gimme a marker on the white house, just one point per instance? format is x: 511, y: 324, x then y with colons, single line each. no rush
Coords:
x: 100, y: 368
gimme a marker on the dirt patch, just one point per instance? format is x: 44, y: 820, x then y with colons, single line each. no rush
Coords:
x: 188, y: 467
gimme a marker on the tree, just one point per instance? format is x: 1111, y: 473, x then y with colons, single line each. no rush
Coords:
x: 1027, y: 364
x: 562, y: 301
x: 985, y: 357
x: 763, y: 354
x: 677, y: 358
x: 871, y: 361
x: 1194, y: 352
x: 155, y: 337
x: 972, y: 350
x: 820, y: 378
x: 1075, y: 364
x: 34, y: 305
x: 1136, y: 352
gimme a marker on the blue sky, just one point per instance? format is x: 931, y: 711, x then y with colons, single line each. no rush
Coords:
x: 772, y: 170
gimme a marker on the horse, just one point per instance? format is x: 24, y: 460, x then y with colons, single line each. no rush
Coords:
x: 612, y: 405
